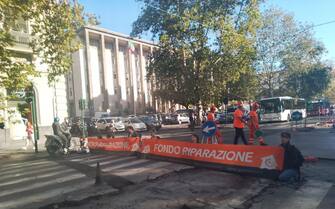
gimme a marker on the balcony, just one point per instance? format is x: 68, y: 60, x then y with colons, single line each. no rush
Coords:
x: 21, y: 41
x: 21, y: 36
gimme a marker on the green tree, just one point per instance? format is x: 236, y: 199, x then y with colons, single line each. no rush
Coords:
x: 309, y: 83
x: 53, y: 38
x: 285, y: 48
x: 330, y: 92
x: 205, y: 46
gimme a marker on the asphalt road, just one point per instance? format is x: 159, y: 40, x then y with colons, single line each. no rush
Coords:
x: 37, y: 181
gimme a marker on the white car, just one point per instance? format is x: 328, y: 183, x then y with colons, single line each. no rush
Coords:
x: 183, y: 118
x: 104, y: 124
x: 136, y: 123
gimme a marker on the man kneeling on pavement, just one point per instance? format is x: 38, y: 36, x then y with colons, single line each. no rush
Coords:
x: 293, y: 160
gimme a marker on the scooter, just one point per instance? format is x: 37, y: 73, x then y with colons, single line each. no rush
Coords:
x: 55, y: 145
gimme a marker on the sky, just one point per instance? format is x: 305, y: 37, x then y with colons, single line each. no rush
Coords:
x: 118, y: 16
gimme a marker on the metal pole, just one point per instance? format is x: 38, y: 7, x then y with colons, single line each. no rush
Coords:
x: 35, y: 125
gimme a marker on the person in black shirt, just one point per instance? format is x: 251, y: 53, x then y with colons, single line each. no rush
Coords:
x: 293, y: 160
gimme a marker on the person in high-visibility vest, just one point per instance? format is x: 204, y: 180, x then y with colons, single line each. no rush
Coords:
x: 254, y: 125
x: 239, y: 123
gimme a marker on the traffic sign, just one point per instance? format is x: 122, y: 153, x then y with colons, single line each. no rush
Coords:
x: 209, y: 128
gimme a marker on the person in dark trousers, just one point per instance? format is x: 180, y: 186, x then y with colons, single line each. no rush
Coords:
x: 191, y: 118
x: 293, y: 160
x: 239, y: 124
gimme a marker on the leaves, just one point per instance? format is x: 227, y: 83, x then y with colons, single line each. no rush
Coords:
x: 205, y: 46
x: 286, y: 52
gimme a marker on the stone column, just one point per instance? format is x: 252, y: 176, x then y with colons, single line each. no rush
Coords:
x: 105, y: 92
x: 89, y: 71
x: 117, y: 69
x: 143, y: 79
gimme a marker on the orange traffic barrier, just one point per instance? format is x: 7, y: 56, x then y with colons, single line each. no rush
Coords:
x: 262, y: 157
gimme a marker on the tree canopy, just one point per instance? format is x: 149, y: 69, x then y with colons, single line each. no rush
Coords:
x: 289, y: 58
x: 205, y: 48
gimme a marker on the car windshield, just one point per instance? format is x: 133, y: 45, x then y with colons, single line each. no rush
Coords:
x: 135, y: 120
x: 109, y: 120
x: 145, y: 118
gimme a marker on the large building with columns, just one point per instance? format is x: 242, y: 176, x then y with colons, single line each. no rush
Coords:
x: 109, y: 72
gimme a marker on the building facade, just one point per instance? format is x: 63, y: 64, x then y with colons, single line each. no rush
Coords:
x: 110, y: 73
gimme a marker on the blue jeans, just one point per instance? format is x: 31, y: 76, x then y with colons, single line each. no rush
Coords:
x: 289, y: 175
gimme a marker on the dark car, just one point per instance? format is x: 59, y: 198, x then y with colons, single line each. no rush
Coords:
x: 77, y: 127
x: 151, y: 122
x: 168, y: 119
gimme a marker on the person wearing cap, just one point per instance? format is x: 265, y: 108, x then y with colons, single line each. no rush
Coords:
x: 254, y: 125
x: 293, y: 160
x: 239, y: 123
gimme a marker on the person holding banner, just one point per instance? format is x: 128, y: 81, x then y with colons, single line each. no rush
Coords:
x: 253, y: 124
x: 239, y: 124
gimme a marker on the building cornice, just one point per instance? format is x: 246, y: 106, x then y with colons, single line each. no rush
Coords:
x: 119, y: 35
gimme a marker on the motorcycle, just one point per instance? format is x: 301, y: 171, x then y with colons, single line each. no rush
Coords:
x: 55, y: 145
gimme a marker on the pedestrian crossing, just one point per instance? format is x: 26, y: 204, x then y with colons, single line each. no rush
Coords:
x: 129, y: 166
x: 35, y: 183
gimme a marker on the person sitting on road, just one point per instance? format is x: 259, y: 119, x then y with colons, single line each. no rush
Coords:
x: 195, y: 138
x: 293, y: 160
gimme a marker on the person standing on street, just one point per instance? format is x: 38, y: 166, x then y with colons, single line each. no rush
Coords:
x: 30, y: 131
x: 293, y: 160
x: 254, y: 125
x: 239, y: 123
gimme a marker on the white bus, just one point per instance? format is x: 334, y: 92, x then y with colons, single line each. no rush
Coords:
x: 281, y: 108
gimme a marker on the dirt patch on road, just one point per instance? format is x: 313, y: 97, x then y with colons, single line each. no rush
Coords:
x: 196, y: 188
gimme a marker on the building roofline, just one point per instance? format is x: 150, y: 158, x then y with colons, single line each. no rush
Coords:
x: 104, y: 30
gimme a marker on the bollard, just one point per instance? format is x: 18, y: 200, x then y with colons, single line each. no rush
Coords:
x: 98, y: 174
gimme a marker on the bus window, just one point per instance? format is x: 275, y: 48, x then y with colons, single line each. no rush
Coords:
x: 270, y: 106
x: 287, y: 104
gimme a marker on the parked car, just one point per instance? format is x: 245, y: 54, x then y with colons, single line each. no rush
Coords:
x: 151, y: 122
x: 183, y: 117
x: 135, y: 123
x: 118, y: 124
x: 168, y: 119
x: 76, y: 127
x: 110, y: 123
x: 220, y: 118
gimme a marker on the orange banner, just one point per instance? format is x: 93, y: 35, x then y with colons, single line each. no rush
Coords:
x: 114, y: 144
x: 263, y: 157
